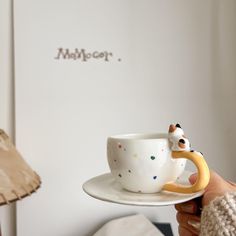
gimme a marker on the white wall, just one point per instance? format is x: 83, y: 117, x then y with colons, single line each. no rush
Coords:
x: 180, y: 60
x: 7, y: 213
x: 224, y: 73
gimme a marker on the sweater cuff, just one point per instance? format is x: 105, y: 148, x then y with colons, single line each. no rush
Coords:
x: 219, y: 217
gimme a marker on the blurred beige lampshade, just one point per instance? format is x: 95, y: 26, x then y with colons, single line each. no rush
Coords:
x: 17, y: 179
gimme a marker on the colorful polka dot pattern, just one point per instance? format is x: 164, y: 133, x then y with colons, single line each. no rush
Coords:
x: 152, y: 157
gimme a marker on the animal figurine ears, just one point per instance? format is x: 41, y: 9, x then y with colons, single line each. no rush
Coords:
x: 178, y: 125
x: 177, y: 139
x: 172, y: 127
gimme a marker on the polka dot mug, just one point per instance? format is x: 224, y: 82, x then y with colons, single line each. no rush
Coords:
x: 145, y: 163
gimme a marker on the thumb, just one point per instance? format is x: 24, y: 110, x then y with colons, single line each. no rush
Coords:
x: 215, y: 179
x: 193, y: 178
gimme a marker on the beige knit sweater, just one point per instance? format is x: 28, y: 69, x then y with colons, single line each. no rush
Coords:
x: 219, y: 217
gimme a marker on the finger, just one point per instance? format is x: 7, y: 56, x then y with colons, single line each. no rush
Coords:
x: 193, y: 178
x: 232, y: 183
x: 185, y: 232
x: 184, y: 217
x: 190, y: 222
x: 215, y: 180
x: 216, y: 187
x: 222, y: 184
x: 190, y: 207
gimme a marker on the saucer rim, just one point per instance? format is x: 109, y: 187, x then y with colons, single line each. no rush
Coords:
x: 146, y: 204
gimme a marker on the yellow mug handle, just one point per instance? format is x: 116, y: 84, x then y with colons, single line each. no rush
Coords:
x: 203, y: 176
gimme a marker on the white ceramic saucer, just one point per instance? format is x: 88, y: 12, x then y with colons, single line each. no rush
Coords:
x: 104, y: 187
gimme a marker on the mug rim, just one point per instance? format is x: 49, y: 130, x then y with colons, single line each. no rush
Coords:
x: 140, y: 136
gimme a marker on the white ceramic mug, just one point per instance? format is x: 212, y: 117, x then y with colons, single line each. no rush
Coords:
x: 145, y: 163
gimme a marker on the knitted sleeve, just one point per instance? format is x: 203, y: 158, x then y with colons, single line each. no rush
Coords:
x: 219, y: 217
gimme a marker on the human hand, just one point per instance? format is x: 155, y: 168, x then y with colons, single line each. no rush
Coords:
x: 188, y: 212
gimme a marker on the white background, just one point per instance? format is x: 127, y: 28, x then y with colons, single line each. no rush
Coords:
x: 7, y: 213
x: 178, y: 65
